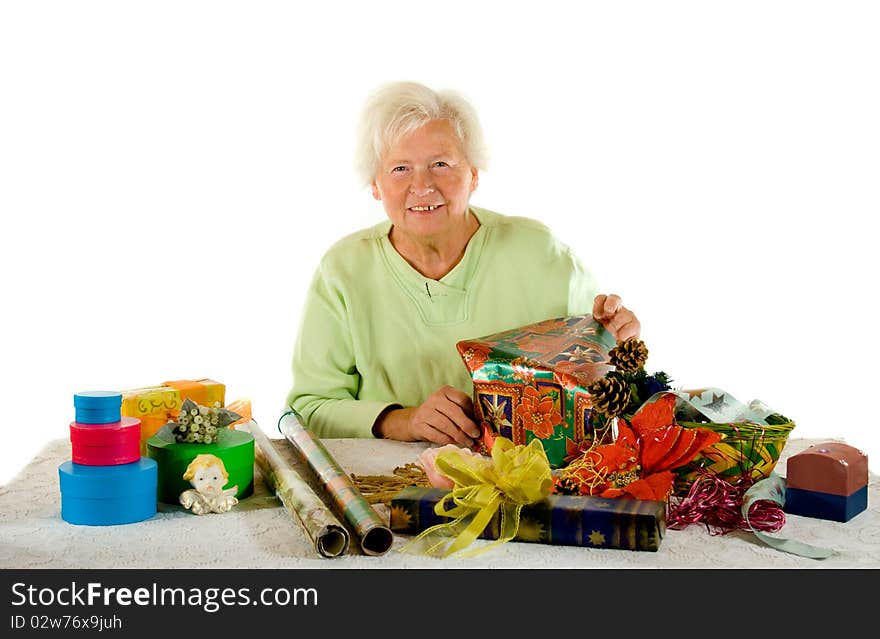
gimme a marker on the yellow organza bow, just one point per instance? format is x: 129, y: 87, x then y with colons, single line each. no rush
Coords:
x: 513, y: 477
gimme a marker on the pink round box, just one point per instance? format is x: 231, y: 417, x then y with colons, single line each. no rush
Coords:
x: 106, y: 444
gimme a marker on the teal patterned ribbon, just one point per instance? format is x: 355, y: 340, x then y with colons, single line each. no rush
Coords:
x: 773, y: 489
x: 718, y: 406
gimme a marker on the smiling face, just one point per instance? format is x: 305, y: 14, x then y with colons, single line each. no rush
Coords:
x: 424, y: 182
x: 209, y: 480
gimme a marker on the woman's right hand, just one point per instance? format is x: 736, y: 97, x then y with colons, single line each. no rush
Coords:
x: 446, y: 417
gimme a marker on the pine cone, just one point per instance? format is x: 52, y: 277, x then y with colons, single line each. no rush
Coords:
x: 610, y: 395
x: 629, y: 355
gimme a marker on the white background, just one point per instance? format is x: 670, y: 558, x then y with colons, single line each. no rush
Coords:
x: 171, y: 172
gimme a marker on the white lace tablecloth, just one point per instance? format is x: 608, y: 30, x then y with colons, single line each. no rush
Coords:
x: 259, y: 533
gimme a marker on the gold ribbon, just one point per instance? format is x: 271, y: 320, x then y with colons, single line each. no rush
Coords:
x: 513, y: 477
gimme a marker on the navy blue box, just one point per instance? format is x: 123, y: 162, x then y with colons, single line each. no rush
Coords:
x: 811, y: 503
x: 562, y: 520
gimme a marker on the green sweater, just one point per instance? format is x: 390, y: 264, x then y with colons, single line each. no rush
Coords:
x: 376, y: 333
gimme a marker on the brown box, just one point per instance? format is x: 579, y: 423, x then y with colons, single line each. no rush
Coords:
x: 829, y: 467
x: 827, y: 481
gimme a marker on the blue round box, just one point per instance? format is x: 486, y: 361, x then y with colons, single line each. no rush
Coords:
x: 98, y: 407
x: 108, y: 495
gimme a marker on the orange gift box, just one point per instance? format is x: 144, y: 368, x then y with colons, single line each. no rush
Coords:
x: 202, y: 391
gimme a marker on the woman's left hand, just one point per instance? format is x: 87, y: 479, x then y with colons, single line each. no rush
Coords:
x: 614, y: 316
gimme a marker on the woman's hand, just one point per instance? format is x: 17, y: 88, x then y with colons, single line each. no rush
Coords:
x: 446, y: 417
x: 619, y: 320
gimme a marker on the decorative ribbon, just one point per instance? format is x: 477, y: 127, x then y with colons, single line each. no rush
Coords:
x: 773, y: 489
x: 718, y: 405
x: 513, y: 477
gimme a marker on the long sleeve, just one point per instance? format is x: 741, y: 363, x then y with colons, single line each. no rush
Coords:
x: 582, y: 288
x: 325, y: 375
x: 375, y: 333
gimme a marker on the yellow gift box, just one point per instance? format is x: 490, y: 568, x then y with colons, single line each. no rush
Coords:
x: 140, y: 402
x: 155, y: 406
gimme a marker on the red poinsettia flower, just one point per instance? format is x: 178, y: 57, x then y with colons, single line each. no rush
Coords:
x: 475, y: 356
x: 523, y: 370
x: 566, y: 367
x: 554, y: 325
x: 566, y: 380
x: 640, y: 463
x: 573, y: 449
x: 665, y: 444
x: 538, y: 413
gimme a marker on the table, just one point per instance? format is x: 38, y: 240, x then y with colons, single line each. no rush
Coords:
x: 259, y: 533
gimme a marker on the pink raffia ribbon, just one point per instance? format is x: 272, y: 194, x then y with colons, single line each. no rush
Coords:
x: 717, y: 504
x: 745, y: 505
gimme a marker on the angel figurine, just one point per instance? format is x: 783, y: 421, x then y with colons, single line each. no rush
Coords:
x: 208, y: 475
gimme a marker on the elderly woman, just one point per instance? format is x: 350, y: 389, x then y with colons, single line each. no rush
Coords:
x: 375, y: 354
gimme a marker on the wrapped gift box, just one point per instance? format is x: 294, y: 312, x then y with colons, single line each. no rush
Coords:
x: 827, y: 481
x: 531, y: 382
x: 202, y: 391
x: 155, y: 406
x: 563, y: 520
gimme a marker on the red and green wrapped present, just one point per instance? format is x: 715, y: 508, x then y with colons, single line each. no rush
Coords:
x: 530, y: 383
x: 566, y: 520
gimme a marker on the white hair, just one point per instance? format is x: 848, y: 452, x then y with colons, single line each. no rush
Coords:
x: 394, y: 110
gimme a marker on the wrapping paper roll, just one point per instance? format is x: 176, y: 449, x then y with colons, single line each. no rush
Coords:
x: 374, y: 535
x: 323, y: 528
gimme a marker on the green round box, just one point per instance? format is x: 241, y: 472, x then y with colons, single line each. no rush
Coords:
x: 234, y: 447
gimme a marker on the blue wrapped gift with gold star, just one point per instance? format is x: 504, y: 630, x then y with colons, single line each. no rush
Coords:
x: 562, y: 520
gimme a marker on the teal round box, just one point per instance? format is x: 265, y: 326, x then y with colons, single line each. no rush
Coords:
x: 108, y: 495
x: 97, y: 407
x: 234, y: 447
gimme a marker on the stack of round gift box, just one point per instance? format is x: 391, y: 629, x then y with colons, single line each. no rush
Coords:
x: 107, y: 482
